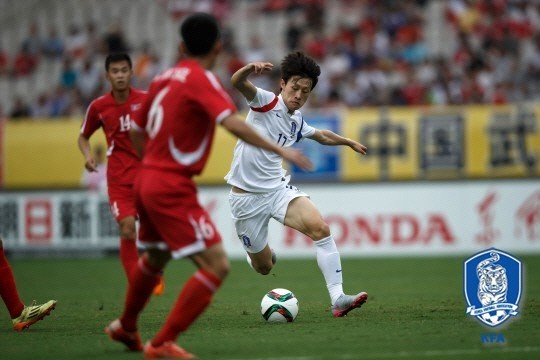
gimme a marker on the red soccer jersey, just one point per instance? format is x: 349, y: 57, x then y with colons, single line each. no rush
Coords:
x: 179, y: 116
x: 115, y: 119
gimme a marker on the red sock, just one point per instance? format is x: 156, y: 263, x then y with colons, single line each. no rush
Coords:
x: 192, y: 301
x: 129, y: 256
x: 143, y: 280
x: 8, y: 289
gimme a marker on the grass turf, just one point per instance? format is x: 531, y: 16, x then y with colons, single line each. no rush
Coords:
x: 416, y: 310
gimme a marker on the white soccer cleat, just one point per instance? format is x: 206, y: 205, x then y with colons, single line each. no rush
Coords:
x: 346, y: 303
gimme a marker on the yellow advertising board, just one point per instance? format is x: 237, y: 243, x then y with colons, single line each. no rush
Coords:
x: 404, y: 143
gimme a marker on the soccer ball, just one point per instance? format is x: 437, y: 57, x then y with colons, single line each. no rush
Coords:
x: 279, y: 306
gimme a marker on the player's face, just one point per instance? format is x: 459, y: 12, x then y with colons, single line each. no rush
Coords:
x: 119, y: 75
x: 295, y: 92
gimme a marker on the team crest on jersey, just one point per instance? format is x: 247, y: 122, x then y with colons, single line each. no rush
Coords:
x: 245, y: 240
x: 492, y: 285
x: 135, y: 107
x: 293, y: 128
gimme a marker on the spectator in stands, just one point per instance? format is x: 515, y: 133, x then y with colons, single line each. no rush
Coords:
x: 33, y: 43
x: 20, y: 109
x: 114, y: 40
x: 4, y: 62
x: 147, y: 65
x: 60, y: 102
x: 76, y: 42
x: 68, y: 76
x: 94, y: 43
x: 53, y: 45
x: 41, y: 108
x: 88, y: 81
x: 25, y: 63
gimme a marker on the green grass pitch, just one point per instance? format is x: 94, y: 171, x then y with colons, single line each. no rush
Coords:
x: 416, y: 310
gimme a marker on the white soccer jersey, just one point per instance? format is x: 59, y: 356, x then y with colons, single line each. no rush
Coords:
x: 257, y: 170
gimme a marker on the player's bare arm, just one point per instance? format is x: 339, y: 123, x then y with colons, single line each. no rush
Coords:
x: 137, y: 140
x: 240, y: 78
x: 327, y: 137
x: 89, y: 162
x: 239, y: 128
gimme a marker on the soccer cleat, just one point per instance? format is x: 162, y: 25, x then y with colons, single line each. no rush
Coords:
x: 346, y: 303
x: 160, y: 287
x: 117, y: 333
x: 167, y: 350
x: 33, y: 313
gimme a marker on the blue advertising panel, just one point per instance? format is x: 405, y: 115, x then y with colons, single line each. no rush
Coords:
x: 325, y: 158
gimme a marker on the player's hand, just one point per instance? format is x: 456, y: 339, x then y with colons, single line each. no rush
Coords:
x: 91, y: 165
x: 259, y: 67
x: 297, y: 158
x: 359, y: 148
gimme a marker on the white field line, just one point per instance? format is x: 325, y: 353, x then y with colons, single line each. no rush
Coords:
x: 500, y: 349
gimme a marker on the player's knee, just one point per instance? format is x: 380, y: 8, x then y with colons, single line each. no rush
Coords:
x: 127, y: 231
x: 263, y: 268
x: 223, y: 267
x: 219, y: 266
x: 319, y: 231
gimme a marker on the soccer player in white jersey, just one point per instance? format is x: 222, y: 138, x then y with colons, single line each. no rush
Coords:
x: 260, y: 189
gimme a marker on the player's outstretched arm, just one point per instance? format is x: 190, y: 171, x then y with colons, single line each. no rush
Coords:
x: 242, y: 84
x: 84, y: 145
x: 327, y: 137
x: 137, y: 140
x: 240, y: 129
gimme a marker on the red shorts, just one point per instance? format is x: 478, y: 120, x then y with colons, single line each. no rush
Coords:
x: 122, y: 201
x: 170, y: 214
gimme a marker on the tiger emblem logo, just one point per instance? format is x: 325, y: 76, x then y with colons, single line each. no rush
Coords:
x: 492, y: 281
x: 492, y: 286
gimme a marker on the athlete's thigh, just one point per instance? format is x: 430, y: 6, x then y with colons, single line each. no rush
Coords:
x: 250, y: 213
x: 302, y: 214
x: 122, y: 201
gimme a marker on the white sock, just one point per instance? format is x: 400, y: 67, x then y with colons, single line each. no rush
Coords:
x: 329, y: 262
x: 249, y: 262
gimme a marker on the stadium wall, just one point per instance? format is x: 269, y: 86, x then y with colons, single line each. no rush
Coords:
x: 386, y: 219
x: 404, y: 143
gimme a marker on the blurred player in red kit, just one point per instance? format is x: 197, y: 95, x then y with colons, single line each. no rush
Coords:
x: 113, y: 112
x: 176, y: 126
x: 21, y: 316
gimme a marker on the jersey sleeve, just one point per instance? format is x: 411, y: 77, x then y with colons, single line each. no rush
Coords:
x: 262, y: 99
x: 305, y: 131
x: 140, y: 118
x: 92, y: 121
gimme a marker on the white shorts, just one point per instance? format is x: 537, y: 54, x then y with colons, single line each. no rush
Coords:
x: 251, y: 213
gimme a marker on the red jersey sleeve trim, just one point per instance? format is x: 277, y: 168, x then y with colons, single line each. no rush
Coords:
x: 267, y: 107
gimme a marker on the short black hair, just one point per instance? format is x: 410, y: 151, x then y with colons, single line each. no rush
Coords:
x: 200, y: 31
x: 117, y: 57
x: 299, y: 64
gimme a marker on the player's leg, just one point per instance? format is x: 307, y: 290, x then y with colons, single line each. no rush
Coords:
x: 263, y: 261
x: 8, y: 288
x: 122, y: 201
x: 144, y: 278
x: 129, y: 255
x: 21, y: 316
x: 251, y: 214
x: 303, y: 216
x: 196, y: 295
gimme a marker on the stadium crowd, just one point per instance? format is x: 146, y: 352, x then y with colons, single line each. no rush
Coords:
x: 377, y: 54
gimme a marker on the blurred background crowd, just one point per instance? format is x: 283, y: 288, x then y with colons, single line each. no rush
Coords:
x: 371, y: 52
